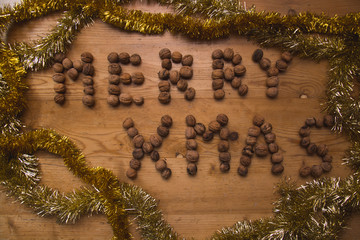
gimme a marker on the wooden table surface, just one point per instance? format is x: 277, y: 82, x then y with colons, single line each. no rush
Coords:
x: 194, y: 206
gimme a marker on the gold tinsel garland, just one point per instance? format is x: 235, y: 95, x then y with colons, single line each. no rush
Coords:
x: 316, y: 210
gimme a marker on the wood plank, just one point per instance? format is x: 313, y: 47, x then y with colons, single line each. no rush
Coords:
x: 184, y: 200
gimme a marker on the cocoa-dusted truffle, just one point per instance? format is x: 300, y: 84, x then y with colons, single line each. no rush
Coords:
x: 135, y: 59
x: 88, y: 100
x: 124, y: 57
x: 176, y: 57
x: 128, y: 123
x: 166, y: 121
x: 165, y: 53
x: 187, y: 60
x: 113, y: 57
x: 87, y: 57
x: 155, y: 140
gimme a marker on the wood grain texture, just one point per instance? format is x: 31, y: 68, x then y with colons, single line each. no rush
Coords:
x: 194, y: 206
